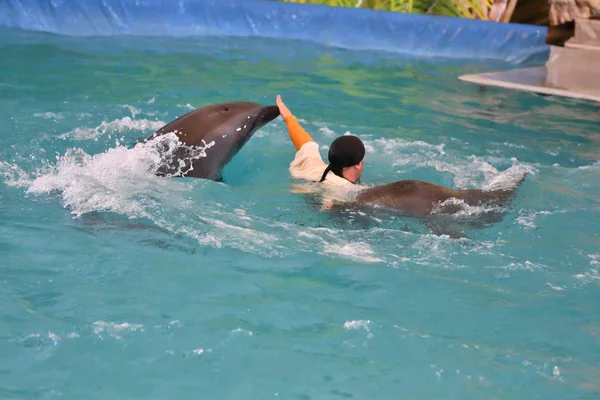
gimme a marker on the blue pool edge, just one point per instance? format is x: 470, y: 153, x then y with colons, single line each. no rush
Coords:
x: 360, y: 29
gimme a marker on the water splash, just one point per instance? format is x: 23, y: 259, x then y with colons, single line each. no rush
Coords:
x: 122, y: 180
x: 125, y: 124
x: 119, y: 180
x: 14, y: 175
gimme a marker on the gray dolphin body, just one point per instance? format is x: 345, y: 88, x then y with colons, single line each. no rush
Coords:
x: 419, y: 198
x: 428, y: 203
x: 209, y: 137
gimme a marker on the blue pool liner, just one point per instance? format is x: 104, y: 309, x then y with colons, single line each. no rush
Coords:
x: 420, y: 35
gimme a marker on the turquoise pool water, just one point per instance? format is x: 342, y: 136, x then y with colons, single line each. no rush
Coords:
x: 119, y: 284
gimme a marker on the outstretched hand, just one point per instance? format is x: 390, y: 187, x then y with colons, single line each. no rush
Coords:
x: 283, y: 110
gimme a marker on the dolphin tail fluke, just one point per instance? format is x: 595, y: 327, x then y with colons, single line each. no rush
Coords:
x: 498, y: 197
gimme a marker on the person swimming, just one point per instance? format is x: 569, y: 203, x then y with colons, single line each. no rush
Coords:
x: 340, y: 178
x: 413, y: 198
x: 346, y: 155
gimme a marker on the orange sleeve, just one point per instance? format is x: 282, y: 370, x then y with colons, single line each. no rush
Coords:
x: 298, y: 135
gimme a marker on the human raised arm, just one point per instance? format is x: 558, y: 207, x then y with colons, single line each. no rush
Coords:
x: 297, y: 134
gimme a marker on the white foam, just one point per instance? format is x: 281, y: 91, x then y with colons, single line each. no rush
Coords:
x: 49, y: 115
x: 241, y: 214
x: 54, y: 337
x: 407, y: 150
x: 554, y: 287
x: 241, y: 332
x: 37, y: 340
x: 311, y: 236
x: 109, y: 181
x: 591, y: 276
x: 521, y: 266
x: 193, y: 353
x: 464, y: 176
x: 515, y: 146
x: 592, y: 167
x: 555, y: 371
x: 133, y: 110
x: 32, y: 335
x: 358, y: 251
x: 122, y: 125
x: 327, y: 132
x: 14, y: 175
x: 508, y: 178
x: 460, y: 208
x: 115, y: 329
x: 527, y: 218
x: 471, y: 172
x: 359, y: 324
x: 241, y: 237
x: 434, y: 246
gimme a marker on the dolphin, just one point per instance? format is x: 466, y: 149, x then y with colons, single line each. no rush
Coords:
x: 419, y: 198
x: 431, y: 204
x: 208, y: 138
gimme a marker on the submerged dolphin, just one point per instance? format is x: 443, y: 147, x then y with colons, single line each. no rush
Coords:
x: 419, y: 198
x: 432, y: 204
x: 209, y: 138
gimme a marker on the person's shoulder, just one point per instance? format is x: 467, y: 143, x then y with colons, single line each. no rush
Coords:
x: 309, y: 148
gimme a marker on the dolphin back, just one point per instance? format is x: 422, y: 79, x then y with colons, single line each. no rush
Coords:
x: 413, y: 197
x: 208, y: 138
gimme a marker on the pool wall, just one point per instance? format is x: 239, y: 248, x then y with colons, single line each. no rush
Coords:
x: 344, y: 27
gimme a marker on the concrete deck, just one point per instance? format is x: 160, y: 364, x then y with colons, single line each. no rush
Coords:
x: 572, y: 70
x: 531, y: 80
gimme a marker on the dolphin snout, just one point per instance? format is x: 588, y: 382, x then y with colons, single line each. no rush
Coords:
x: 268, y: 114
x: 264, y: 116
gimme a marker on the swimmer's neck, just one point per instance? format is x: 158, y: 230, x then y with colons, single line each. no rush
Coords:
x: 350, y: 174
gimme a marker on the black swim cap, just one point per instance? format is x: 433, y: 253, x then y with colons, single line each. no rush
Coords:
x: 345, y: 151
